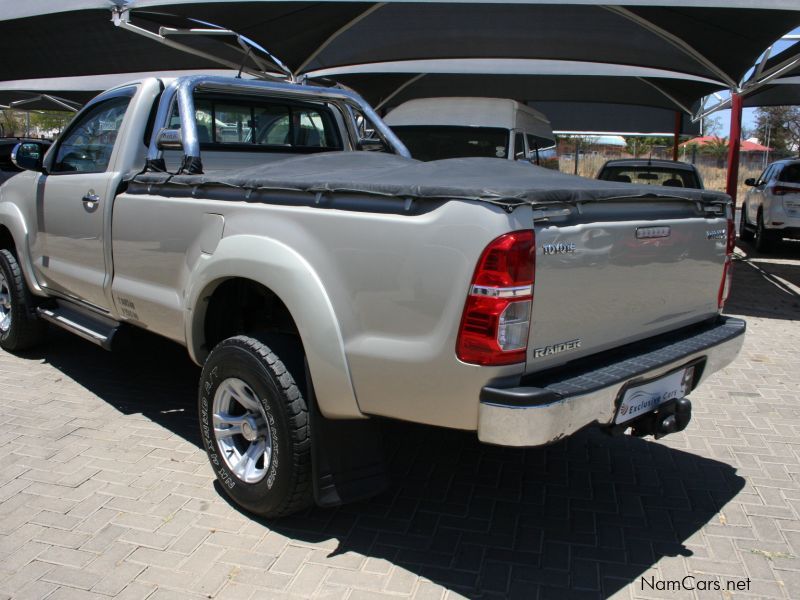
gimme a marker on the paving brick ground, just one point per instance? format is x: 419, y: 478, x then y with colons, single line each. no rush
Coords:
x: 105, y: 492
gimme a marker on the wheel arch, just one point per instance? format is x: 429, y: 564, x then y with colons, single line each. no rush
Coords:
x: 289, y: 282
x: 14, y: 237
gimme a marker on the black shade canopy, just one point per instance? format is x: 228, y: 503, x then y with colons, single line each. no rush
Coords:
x: 392, y: 89
x: 622, y: 67
x: 785, y: 93
x: 704, y: 39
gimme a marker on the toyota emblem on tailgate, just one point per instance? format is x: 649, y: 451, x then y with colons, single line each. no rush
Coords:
x: 646, y: 233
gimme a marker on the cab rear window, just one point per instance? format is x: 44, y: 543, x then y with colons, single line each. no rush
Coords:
x: 651, y: 176
x: 240, y: 124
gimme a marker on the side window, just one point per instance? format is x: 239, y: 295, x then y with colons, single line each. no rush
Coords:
x: 519, y: 147
x: 89, y: 142
x: 790, y: 173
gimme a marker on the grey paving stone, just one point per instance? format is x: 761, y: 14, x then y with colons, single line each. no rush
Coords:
x: 104, y: 493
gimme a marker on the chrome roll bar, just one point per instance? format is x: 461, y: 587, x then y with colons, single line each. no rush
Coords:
x: 182, y: 89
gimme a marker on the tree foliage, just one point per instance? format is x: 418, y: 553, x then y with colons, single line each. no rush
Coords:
x: 711, y: 126
x: 17, y: 123
x: 779, y: 128
x: 716, y: 147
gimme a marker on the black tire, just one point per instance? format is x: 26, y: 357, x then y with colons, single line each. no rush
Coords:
x: 286, y: 486
x: 24, y: 329
x: 764, y: 238
x: 745, y: 234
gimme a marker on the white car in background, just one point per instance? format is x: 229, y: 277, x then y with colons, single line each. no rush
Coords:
x: 438, y: 128
x: 771, y: 208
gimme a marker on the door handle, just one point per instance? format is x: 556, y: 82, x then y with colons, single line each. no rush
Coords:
x: 91, y: 198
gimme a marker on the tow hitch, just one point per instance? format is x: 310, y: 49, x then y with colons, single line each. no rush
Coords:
x: 670, y: 417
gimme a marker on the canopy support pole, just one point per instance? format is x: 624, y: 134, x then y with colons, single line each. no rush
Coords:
x: 734, y: 143
x: 676, y: 134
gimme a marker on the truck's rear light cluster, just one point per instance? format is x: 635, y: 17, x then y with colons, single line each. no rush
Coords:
x: 496, y: 320
x: 725, y: 284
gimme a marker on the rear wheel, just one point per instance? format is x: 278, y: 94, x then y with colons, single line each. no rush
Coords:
x: 255, y: 429
x: 20, y: 328
x: 764, y: 238
x: 745, y: 234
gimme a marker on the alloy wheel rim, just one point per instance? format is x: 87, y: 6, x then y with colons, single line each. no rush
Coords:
x: 5, y: 304
x: 241, y: 430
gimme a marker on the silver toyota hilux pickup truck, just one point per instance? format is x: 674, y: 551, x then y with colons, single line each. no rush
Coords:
x: 323, y: 278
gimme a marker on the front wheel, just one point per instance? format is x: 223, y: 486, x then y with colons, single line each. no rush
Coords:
x: 20, y: 328
x: 254, y: 425
x: 744, y: 233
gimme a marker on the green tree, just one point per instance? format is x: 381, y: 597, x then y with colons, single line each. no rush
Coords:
x: 11, y: 124
x: 639, y: 146
x: 711, y: 126
x: 779, y: 127
x: 48, y: 120
x: 716, y: 147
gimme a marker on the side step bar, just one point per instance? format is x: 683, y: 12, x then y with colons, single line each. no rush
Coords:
x: 90, y: 326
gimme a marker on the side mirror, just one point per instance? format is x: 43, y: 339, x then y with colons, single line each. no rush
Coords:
x: 750, y: 181
x: 372, y: 145
x: 169, y: 139
x: 28, y: 156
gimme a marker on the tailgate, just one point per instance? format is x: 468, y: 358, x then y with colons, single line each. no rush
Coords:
x: 615, y: 272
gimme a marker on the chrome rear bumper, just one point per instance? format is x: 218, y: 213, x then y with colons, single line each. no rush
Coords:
x: 554, y: 404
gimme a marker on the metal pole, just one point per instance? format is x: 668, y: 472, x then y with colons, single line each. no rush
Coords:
x: 734, y: 142
x: 577, y: 151
x: 677, y: 135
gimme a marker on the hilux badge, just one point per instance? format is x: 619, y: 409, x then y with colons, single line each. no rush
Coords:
x: 717, y: 234
x: 559, y: 248
x: 646, y: 233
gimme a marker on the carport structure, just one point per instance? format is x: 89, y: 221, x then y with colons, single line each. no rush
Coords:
x: 660, y: 56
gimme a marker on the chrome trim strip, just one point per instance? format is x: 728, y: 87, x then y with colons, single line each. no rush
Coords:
x: 495, y: 292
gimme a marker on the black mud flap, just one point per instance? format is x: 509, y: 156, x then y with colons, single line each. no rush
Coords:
x: 347, y: 458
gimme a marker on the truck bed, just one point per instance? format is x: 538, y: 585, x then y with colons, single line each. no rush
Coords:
x: 389, y: 176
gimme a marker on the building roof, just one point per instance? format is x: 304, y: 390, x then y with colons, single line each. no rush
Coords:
x: 746, y: 145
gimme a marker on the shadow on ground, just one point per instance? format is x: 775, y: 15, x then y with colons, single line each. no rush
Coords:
x: 582, y: 518
x: 766, y: 285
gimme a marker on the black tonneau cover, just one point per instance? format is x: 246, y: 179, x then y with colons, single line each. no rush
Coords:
x: 494, y: 180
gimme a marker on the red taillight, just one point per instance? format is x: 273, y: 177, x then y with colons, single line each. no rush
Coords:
x: 725, y: 284
x: 496, y: 320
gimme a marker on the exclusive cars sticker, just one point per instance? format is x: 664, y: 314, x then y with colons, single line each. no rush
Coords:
x: 644, y: 398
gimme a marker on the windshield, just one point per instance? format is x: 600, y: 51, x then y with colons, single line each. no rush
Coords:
x: 650, y: 175
x: 434, y: 142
